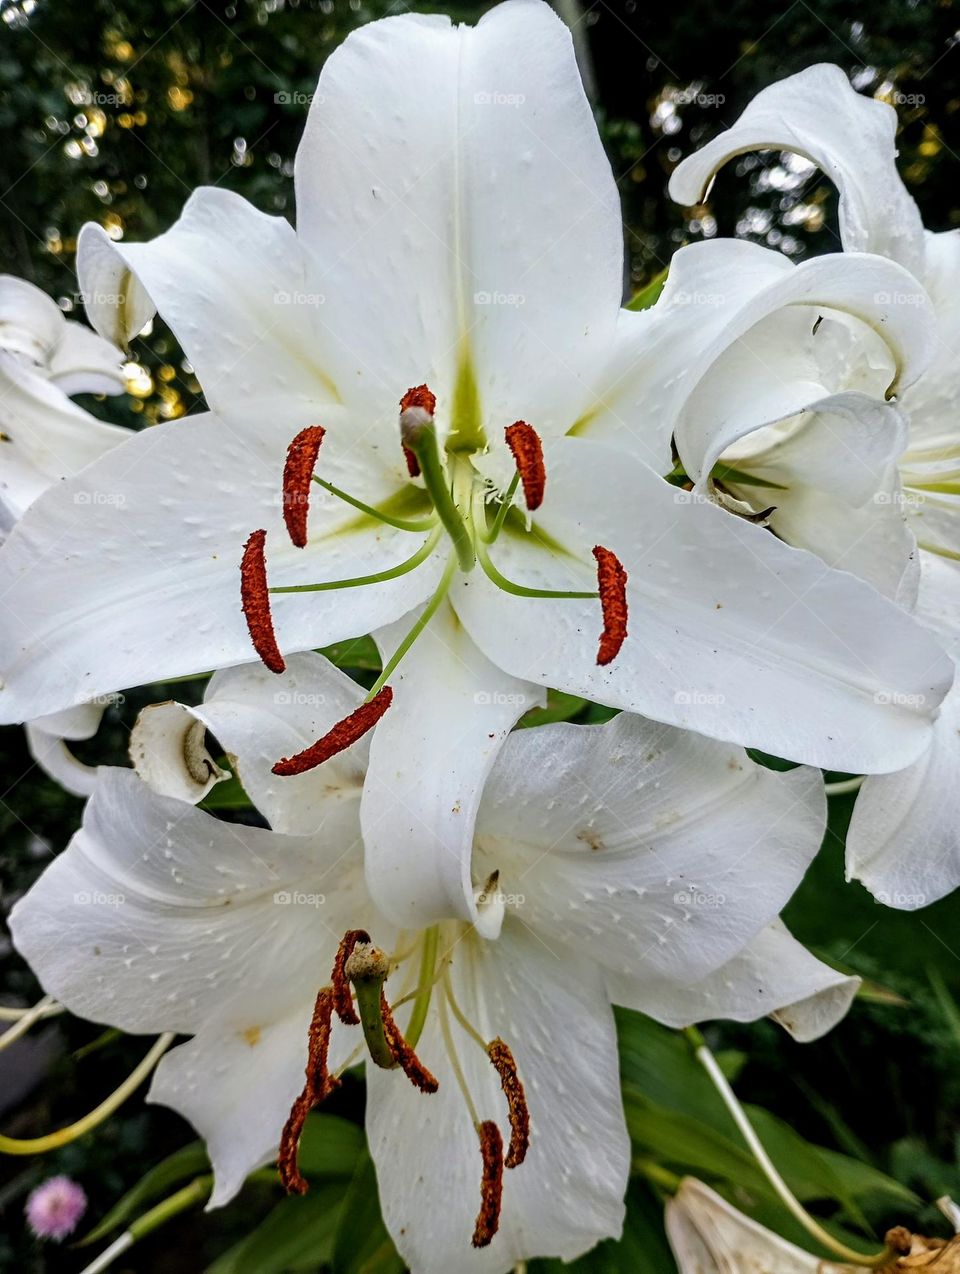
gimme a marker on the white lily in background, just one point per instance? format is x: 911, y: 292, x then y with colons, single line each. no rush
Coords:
x: 629, y: 862
x: 464, y: 244
x: 903, y: 842
x: 819, y: 115
x: 44, y: 360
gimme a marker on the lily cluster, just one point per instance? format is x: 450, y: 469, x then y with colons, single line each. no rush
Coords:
x: 729, y: 518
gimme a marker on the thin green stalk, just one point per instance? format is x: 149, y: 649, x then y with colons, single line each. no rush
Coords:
x: 428, y: 612
x: 381, y: 577
x: 402, y: 524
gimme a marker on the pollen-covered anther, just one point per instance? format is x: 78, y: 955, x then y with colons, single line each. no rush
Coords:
x: 343, y: 735
x: 255, y: 600
x: 417, y: 409
x: 297, y: 476
x: 319, y: 1083
x: 524, y: 443
x: 342, y: 995
x: 612, y: 586
x: 403, y: 1054
x: 491, y: 1184
x: 502, y: 1058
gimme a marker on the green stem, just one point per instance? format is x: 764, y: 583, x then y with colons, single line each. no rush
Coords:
x: 421, y: 1004
x: 402, y: 524
x: 506, y: 500
x: 381, y: 577
x: 436, y: 480
x: 766, y: 1164
x: 519, y: 590
x: 428, y: 612
x: 368, y: 992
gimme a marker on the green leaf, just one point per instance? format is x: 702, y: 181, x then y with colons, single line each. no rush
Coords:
x: 560, y: 707
x: 297, y: 1235
x: 330, y: 1147
x: 362, y: 1244
x: 228, y: 795
x: 183, y: 1163
x: 358, y: 652
x: 649, y: 294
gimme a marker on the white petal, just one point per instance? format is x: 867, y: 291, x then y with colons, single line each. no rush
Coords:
x: 568, y: 1194
x: 142, y: 552
x: 31, y: 323
x: 429, y: 758
x: 84, y: 363
x: 159, y: 917
x: 773, y: 975
x: 474, y: 208
x: 851, y: 137
x: 47, y: 743
x: 46, y: 437
x: 651, y: 850
x: 168, y: 752
x: 732, y: 633
x: 232, y: 284
x: 259, y: 718
x: 708, y: 1236
x: 904, y: 837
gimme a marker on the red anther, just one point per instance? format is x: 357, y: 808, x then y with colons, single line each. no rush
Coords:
x: 491, y: 1184
x: 297, y: 477
x: 342, y: 995
x: 403, y: 1054
x: 342, y: 736
x: 420, y: 396
x: 255, y: 599
x: 502, y: 1058
x: 413, y: 464
x: 612, y: 586
x: 319, y: 1084
x: 524, y: 442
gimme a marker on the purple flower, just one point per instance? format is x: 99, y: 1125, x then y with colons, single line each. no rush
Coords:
x: 54, y: 1208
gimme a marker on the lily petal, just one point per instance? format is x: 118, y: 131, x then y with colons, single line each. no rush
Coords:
x: 852, y: 138
x: 568, y: 1193
x: 169, y: 754
x: 659, y: 852
x: 429, y: 759
x: 731, y: 633
x: 47, y: 743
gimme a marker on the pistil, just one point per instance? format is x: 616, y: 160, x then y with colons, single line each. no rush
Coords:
x: 419, y: 436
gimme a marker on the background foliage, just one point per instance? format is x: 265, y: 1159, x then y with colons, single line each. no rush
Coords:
x: 115, y: 111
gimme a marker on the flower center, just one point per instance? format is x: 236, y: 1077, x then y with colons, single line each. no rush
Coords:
x: 468, y: 511
x: 356, y: 996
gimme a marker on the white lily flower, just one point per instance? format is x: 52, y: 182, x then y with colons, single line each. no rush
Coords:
x: 484, y: 180
x: 46, y: 358
x: 599, y: 881
x: 903, y: 842
x: 818, y: 114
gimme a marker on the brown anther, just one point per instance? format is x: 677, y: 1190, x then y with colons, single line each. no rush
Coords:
x: 255, y: 600
x: 524, y: 443
x: 612, y: 586
x: 319, y: 1084
x: 413, y: 464
x: 501, y: 1056
x: 403, y: 1054
x: 420, y: 396
x: 342, y: 995
x: 343, y: 735
x: 491, y: 1184
x: 297, y: 476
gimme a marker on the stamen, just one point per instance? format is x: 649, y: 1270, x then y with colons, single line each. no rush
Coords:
x: 403, y: 1053
x: 297, y: 476
x: 612, y: 585
x: 501, y: 1056
x: 319, y: 1083
x: 418, y: 397
x: 255, y: 600
x: 524, y: 443
x: 343, y: 735
x: 491, y: 1184
x: 342, y: 995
